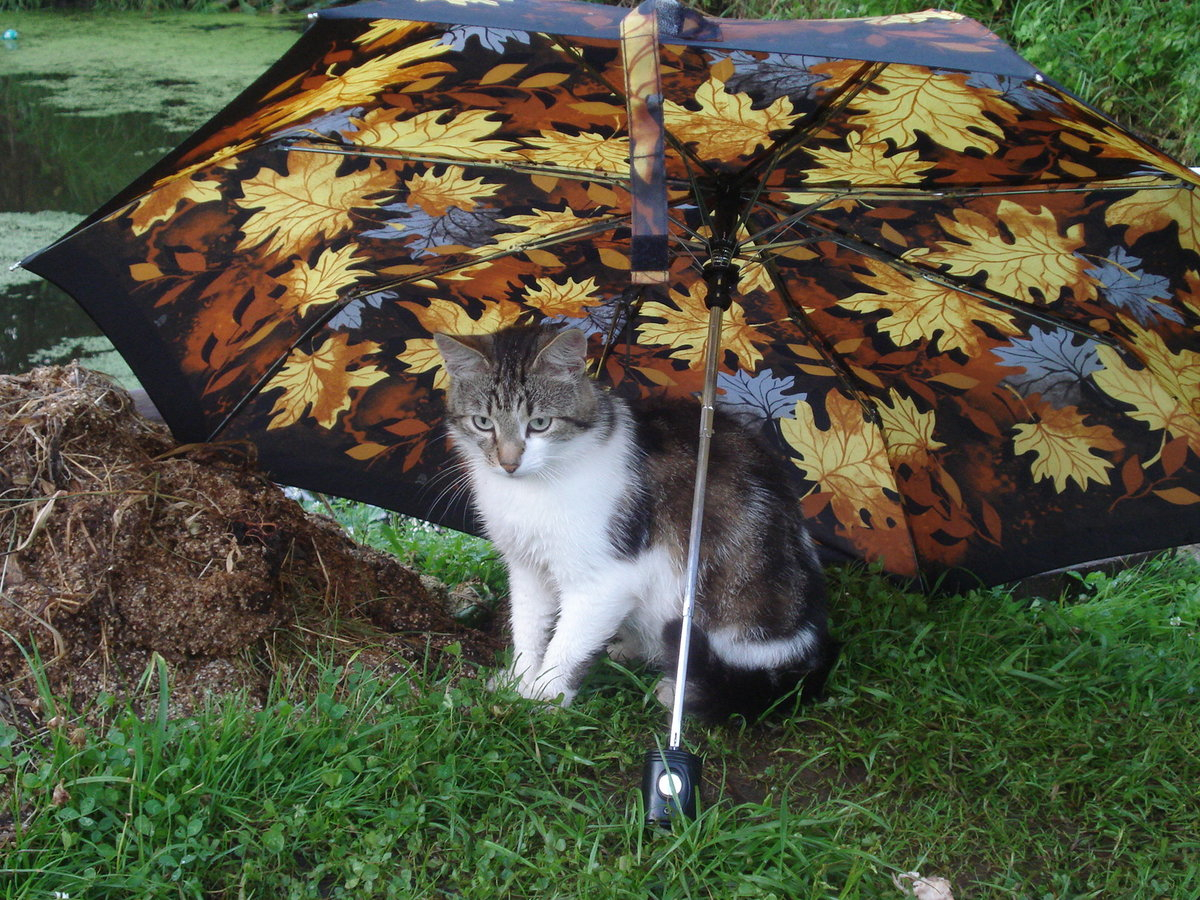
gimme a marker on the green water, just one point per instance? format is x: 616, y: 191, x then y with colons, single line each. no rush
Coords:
x: 87, y: 103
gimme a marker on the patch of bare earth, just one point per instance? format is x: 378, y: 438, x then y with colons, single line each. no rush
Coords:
x: 119, y: 544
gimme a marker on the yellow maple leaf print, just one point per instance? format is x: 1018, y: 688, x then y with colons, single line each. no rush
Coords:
x: 927, y: 15
x: 1178, y: 371
x: 454, y: 134
x: 1062, y: 446
x: 726, y: 126
x: 1155, y: 401
x: 1114, y: 142
x: 319, y: 284
x: 1039, y: 257
x: 865, y: 164
x: 924, y: 310
x: 566, y: 299
x: 387, y: 31
x: 422, y: 355
x: 588, y: 151
x: 436, y: 193
x: 907, y: 430
x: 907, y: 99
x: 292, y: 212
x: 319, y: 385
x: 685, y: 330
x: 848, y: 460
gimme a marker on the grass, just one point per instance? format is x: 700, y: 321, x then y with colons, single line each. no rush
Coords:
x: 1041, y: 749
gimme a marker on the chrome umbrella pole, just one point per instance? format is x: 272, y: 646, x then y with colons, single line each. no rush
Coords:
x: 671, y: 776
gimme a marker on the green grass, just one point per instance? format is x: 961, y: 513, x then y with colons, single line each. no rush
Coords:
x: 1022, y: 750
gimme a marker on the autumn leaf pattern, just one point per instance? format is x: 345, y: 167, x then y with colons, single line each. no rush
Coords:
x: 319, y: 384
x: 967, y: 308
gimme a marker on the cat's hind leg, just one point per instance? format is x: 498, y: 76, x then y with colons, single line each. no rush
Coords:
x: 717, y: 688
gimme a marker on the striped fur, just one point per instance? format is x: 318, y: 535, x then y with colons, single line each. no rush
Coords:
x: 589, y: 503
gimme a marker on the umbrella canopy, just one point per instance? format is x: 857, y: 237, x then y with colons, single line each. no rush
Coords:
x: 963, y: 302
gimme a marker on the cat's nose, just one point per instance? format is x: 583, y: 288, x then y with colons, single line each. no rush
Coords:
x: 508, y: 455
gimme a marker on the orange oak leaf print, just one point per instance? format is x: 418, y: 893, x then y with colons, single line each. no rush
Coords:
x: 161, y: 204
x: 319, y: 384
x: 1062, y: 446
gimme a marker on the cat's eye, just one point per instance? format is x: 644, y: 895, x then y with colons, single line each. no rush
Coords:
x: 539, y: 423
x: 483, y: 423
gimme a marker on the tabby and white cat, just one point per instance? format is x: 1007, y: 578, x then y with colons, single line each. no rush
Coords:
x: 589, y: 503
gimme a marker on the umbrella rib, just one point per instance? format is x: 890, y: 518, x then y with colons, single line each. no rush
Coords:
x: 868, y: 194
x: 769, y: 158
x: 335, y: 149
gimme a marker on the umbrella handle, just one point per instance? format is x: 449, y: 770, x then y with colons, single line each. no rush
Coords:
x: 670, y: 782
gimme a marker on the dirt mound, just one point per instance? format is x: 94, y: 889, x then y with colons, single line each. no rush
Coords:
x: 118, y: 544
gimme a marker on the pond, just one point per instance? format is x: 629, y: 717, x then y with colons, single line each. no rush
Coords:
x: 88, y: 102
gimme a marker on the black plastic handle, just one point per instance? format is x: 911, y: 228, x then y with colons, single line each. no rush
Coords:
x: 670, y: 784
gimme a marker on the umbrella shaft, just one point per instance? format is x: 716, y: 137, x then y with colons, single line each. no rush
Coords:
x: 712, y: 352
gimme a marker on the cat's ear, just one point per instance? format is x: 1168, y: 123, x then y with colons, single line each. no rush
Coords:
x: 462, y: 359
x: 563, y: 357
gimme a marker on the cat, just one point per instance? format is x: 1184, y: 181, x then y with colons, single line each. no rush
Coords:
x: 589, y: 503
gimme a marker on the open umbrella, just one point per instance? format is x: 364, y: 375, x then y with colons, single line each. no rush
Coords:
x: 962, y: 301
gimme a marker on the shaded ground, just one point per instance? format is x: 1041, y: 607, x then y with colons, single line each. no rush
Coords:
x: 119, y: 544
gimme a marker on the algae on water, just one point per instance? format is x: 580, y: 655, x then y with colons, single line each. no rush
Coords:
x: 89, y: 101
x: 181, y: 68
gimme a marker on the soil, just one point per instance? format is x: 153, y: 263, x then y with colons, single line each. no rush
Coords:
x: 121, y: 546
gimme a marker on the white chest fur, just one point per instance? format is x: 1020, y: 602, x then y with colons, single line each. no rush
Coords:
x: 556, y: 525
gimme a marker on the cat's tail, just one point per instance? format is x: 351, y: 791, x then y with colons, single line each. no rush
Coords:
x: 716, y: 690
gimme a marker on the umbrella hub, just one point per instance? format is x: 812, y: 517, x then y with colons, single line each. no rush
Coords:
x: 721, y: 274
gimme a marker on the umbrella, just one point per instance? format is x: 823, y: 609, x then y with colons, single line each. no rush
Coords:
x: 963, y: 302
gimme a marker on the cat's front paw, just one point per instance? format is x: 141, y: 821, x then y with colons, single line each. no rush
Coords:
x: 551, y: 691
x: 505, y: 679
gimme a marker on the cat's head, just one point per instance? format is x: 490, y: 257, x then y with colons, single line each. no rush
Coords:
x: 519, y: 398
